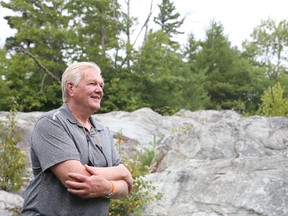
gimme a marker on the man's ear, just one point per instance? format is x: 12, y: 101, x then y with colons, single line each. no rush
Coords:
x: 69, y: 87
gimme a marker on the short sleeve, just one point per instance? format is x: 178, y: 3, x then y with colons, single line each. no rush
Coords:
x: 51, y: 144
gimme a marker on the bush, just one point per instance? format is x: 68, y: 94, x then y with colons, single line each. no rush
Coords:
x: 12, y: 159
x: 273, y: 102
x: 141, y: 194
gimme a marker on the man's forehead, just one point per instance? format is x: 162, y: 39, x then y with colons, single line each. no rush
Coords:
x: 90, y: 70
x: 91, y: 73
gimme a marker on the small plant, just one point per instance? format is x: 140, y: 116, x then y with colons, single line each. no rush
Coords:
x: 138, y: 165
x: 12, y: 159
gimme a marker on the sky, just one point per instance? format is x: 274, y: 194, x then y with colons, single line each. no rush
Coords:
x: 238, y: 17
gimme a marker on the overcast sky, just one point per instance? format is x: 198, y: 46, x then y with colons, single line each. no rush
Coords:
x: 238, y: 17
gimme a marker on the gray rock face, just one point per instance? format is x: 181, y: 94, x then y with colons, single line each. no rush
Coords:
x: 10, y: 204
x: 223, y: 164
x: 207, y: 163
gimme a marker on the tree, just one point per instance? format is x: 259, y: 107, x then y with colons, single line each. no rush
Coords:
x: 269, y: 46
x: 267, y: 53
x: 158, y: 73
x: 4, y: 85
x: 122, y: 93
x: 37, y: 52
x: 195, y: 96
x: 168, y: 19
x: 229, y: 76
x: 98, y: 28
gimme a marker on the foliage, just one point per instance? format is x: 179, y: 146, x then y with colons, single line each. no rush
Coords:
x: 98, y: 27
x: 4, y: 85
x: 194, y: 93
x: 37, y: 52
x: 273, y: 103
x: 271, y: 46
x: 12, y: 159
x: 168, y: 18
x: 121, y: 94
x: 161, y: 74
x: 228, y: 76
x: 142, y: 192
x: 266, y: 52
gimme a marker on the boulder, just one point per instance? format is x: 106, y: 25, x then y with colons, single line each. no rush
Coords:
x: 206, y: 163
x: 10, y: 203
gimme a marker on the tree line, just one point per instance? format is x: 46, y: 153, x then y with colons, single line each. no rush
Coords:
x: 161, y: 73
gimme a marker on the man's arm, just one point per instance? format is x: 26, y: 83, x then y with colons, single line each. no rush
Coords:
x: 100, y: 186
x: 84, y: 186
x: 89, y: 182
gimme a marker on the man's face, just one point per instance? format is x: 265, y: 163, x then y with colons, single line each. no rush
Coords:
x: 89, y: 92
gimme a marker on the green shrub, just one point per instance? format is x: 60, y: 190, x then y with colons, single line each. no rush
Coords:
x: 12, y: 159
x: 138, y: 165
x: 273, y: 102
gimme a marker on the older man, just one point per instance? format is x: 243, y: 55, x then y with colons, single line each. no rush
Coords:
x: 75, y: 163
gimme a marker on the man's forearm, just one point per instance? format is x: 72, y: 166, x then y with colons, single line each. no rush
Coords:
x: 115, y: 173
x: 121, y: 189
x: 97, y: 185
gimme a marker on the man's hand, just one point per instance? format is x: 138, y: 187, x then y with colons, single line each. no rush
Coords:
x: 88, y: 186
x: 115, y: 173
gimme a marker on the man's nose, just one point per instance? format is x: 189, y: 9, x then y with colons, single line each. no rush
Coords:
x: 99, y: 89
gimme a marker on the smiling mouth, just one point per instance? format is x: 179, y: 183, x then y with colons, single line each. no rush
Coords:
x: 96, y: 98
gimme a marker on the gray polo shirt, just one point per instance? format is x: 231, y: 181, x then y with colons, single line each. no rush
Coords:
x: 58, y: 137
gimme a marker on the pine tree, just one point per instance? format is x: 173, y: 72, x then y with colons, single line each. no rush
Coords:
x: 168, y: 19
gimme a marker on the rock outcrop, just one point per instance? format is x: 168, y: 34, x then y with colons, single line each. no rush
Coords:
x: 207, y: 163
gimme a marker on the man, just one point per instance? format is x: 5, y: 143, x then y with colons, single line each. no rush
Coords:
x: 75, y: 163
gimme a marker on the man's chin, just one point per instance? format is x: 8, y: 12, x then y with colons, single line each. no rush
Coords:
x: 97, y: 107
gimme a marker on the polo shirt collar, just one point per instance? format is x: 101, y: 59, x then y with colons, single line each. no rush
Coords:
x: 67, y: 112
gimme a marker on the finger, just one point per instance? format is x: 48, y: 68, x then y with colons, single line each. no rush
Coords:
x: 90, y: 169
x: 81, y: 193
x: 77, y: 177
x: 130, y: 186
x: 129, y: 182
x: 74, y: 185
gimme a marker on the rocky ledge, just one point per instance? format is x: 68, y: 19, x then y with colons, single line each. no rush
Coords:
x: 207, y: 163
